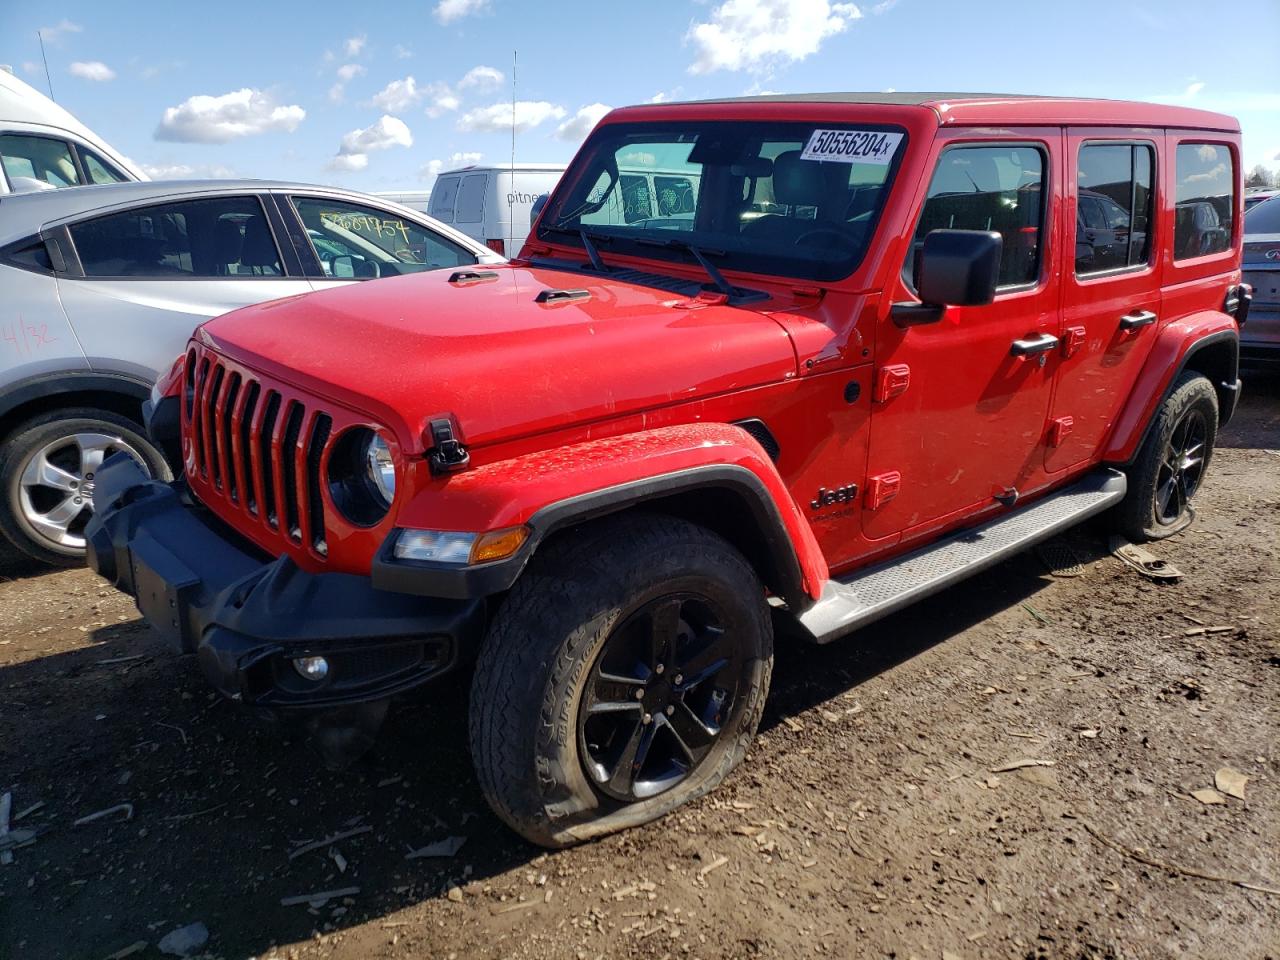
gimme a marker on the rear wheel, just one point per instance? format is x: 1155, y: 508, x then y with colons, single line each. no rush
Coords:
x: 47, y: 471
x: 623, y: 676
x: 1172, y: 462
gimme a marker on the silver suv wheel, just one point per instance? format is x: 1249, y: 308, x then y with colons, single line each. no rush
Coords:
x: 55, y: 495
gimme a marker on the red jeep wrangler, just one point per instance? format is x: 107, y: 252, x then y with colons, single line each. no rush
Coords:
x: 772, y: 367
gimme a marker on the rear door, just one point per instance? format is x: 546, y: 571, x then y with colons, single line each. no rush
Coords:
x: 1111, y: 293
x: 959, y: 405
x: 145, y: 277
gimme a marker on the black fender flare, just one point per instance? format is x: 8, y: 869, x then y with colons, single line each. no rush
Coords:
x: 45, y: 385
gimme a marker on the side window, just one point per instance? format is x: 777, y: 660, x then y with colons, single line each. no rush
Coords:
x: 1205, y: 202
x: 226, y: 237
x: 998, y: 188
x: 35, y: 163
x: 355, y: 242
x: 1113, y: 194
x: 99, y: 170
x: 470, y: 204
x: 442, y: 198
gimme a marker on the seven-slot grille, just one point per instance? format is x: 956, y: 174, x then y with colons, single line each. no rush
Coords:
x: 255, y: 448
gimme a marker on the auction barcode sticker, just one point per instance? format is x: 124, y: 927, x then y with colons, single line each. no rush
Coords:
x: 852, y: 146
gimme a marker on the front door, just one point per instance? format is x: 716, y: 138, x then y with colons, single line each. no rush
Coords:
x: 1111, y: 297
x: 959, y: 406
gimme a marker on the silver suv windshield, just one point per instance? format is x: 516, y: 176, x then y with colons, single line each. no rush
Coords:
x: 790, y: 199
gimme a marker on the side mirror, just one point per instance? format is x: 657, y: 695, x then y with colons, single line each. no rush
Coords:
x: 954, y: 268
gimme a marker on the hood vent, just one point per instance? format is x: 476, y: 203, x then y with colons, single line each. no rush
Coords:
x: 552, y: 297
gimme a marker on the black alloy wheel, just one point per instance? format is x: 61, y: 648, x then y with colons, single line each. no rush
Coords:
x: 657, y: 697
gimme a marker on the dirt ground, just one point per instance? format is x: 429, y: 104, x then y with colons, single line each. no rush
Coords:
x: 872, y: 818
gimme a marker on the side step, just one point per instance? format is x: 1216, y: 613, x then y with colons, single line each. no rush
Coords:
x: 868, y: 595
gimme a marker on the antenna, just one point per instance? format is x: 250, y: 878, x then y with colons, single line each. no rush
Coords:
x: 47, y: 79
x: 511, y: 214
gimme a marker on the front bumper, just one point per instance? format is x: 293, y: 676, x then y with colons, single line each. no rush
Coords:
x: 247, y: 618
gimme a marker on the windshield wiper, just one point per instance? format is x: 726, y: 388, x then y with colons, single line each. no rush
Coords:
x: 717, y: 278
x: 588, y: 245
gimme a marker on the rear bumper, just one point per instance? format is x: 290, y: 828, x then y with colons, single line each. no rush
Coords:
x: 247, y: 618
x: 1260, y: 337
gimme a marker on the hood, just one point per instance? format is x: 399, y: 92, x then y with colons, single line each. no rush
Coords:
x: 405, y: 350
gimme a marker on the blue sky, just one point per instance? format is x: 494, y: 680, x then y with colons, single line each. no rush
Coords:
x: 381, y: 96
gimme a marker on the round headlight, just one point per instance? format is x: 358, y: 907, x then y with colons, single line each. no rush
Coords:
x: 382, y: 469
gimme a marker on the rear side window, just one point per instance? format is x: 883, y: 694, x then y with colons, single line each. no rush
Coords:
x: 98, y: 170
x: 470, y: 204
x: 226, y: 237
x: 998, y: 188
x: 29, y: 254
x: 1113, y: 206
x: 442, y: 198
x: 1206, y: 202
x: 1263, y: 218
x: 33, y: 162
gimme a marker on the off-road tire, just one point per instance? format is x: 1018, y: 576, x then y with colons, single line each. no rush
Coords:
x: 44, y: 429
x: 540, y: 648
x: 1136, y: 516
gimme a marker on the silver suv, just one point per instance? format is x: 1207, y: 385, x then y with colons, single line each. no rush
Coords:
x: 103, y: 286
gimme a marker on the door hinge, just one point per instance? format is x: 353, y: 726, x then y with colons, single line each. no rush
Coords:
x: 446, y: 453
x: 1059, y: 427
x: 892, y: 381
x: 882, y: 488
x: 1072, y: 340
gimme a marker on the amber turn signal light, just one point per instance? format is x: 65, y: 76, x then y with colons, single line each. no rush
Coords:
x: 498, y: 544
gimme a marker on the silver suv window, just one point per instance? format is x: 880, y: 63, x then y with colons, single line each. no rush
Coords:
x: 34, y: 162
x: 221, y: 237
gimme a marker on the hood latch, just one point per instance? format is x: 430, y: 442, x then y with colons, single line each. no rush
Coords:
x: 446, y: 453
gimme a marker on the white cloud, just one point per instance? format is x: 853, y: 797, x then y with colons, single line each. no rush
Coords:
x: 94, y: 70
x: 185, y: 171
x: 497, y: 117
x: 481, y: 78
x: 354, y: 46
x: 54, y: 34
x: 349, y: 71
x: 1193, y: 88
x: 30, y: 66
x: 387, y: 132
x: 447, y: 11
x: 397, y: 96
x: 434, y: 168
x: 581, y: 123
x: 402, y: 52
x: 1217, y: 172
x: 241, y: 113
x: 1206, y: 153
x: 756, y: 35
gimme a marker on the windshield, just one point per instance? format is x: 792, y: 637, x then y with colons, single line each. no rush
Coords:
x: 790, y: 199
x: 1263, y: 218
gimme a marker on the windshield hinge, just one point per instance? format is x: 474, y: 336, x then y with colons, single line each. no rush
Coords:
x: 446, y: 453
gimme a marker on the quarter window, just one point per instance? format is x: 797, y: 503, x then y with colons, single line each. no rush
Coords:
x: 1206, y: 200
x: 443, y: 196
x: 998, y: 188
x: 1113, y: 206
x: 98, y: 170
x: 223, y: 237
x: 355, y: 242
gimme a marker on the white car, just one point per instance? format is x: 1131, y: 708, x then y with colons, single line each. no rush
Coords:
x: 42, y: 146
x: 493, y: 204
x: 103, y: 285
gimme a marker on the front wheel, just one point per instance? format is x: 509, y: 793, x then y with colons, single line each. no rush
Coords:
x: 1171, y: 463
x: 47, y: 471
x: 623, y: 676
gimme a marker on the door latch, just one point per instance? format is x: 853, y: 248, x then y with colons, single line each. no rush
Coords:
x: 892, y: 381
x: 882, y: 488
x: 1072, y: 340
x: 1058, y: 430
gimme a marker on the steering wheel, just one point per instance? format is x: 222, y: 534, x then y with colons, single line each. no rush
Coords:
x: 821, y: 232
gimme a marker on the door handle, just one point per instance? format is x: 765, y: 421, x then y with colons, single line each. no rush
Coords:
x: 1139, y: 318
x: 1033, y: 345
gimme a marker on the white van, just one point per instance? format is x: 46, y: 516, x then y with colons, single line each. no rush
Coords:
x: 413, y: 199
x: 42, y: 146
x: 493, y: 204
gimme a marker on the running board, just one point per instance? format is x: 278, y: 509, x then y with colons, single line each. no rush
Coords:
x: 868, y: 595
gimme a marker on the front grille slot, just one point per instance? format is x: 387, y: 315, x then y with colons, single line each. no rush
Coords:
x: 320, y: 429
x: 256, y: 450
x: 289, y: 464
